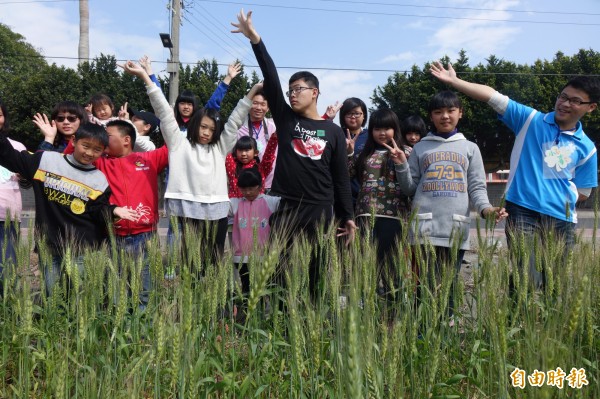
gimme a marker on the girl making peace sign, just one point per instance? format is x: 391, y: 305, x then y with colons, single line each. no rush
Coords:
x: 379, y: 193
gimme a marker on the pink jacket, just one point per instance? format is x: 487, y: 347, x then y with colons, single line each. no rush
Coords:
x: 10, y: 195
x: 248, y: 215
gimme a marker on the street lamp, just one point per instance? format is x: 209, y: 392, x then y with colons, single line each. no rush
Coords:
x: 166, y: 40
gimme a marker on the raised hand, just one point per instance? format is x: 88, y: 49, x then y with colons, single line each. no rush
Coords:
x: 132, y: 68
x: 123, y: 114
x: 332, y: 110
x: 398, y: 156
x: 234, y: 70
x: 146, y: 64
x: 47, y: 128
x: 350, y: 141
x: 443, y: 74
x: 256, y: 88
x: 245, y: 27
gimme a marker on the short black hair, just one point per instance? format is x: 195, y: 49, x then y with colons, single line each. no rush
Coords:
x: 444, y: 99
x: 588, y: 84
x: 261, y: 93
x: 92, y: 131
x: 193, y: 129
x: 310, y: 79
x: 245, y: 143
x: 415, y: 124
x: 102, y: 99
x: 249, y: 177
x: 126, y: 128
x: 348, y: 105
x: 185, y: 96
x: 71, y: 107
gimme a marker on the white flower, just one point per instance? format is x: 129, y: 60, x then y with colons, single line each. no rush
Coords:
x: 559, y: 157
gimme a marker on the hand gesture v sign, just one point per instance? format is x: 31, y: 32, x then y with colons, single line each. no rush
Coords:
x: 397, y: 155
x: 350, y: 142
x: 332, y: 110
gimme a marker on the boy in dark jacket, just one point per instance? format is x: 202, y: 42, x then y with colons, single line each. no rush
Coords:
x: 71, y: 195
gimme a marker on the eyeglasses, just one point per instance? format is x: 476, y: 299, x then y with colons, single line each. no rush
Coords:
x: 297, y: 90
x: 355, y: 115
x: 70, y: 118
x: 563, y: 98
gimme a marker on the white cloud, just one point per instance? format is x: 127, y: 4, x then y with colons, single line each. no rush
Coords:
x: 407, y: 57
x: 48, y: 29
x: 482, y: 34
x: 337, y: 86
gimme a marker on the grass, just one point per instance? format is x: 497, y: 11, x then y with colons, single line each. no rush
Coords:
x: 90, y: 340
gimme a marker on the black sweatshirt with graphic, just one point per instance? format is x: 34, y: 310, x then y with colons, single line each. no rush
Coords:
x: 311, y: 159
x: 71, y: 199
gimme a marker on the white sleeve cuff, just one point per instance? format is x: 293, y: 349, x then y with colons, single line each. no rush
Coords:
x: 498, y: 102
x: 585, y: 191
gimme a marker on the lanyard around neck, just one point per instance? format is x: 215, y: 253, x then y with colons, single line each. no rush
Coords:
x: 254, y: 132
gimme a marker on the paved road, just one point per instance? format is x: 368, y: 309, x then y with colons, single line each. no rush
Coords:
x: 585, y: 224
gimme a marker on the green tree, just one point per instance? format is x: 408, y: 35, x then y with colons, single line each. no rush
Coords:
x: 40, y: 93
x: 536, y: 86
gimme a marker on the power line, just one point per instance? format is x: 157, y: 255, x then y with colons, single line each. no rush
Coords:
x: 301, y: 68
x: 226, y: 28
x: 208, y: 37
x: 401, y: 15
x: 242, y: 53
x: 458, y: 8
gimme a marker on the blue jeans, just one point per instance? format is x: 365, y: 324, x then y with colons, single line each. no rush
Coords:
x: 136, y: 245
x: 52, y: 271
x: 535, y: 227
x: 8, y: 237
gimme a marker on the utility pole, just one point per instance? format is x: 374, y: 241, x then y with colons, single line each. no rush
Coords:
x: 84, y: 32
x: 173, y: 64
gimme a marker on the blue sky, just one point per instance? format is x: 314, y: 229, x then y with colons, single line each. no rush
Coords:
x: 356, y: 44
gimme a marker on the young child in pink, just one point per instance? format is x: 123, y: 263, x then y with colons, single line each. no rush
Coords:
x: 250, y: 212
x: 10, y: 203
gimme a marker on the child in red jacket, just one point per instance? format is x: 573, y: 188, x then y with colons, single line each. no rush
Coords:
x: 133, y: 179
x: 244, y: 156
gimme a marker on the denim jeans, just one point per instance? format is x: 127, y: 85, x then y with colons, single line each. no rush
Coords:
x: 52, y: 271
x: 8, y: 237
x: 136, y: 245
x: 535, y: 227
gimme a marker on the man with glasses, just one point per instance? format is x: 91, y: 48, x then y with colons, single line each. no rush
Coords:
x: 260, y: 128
x: 311, y: 173
x: 553, y: 164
